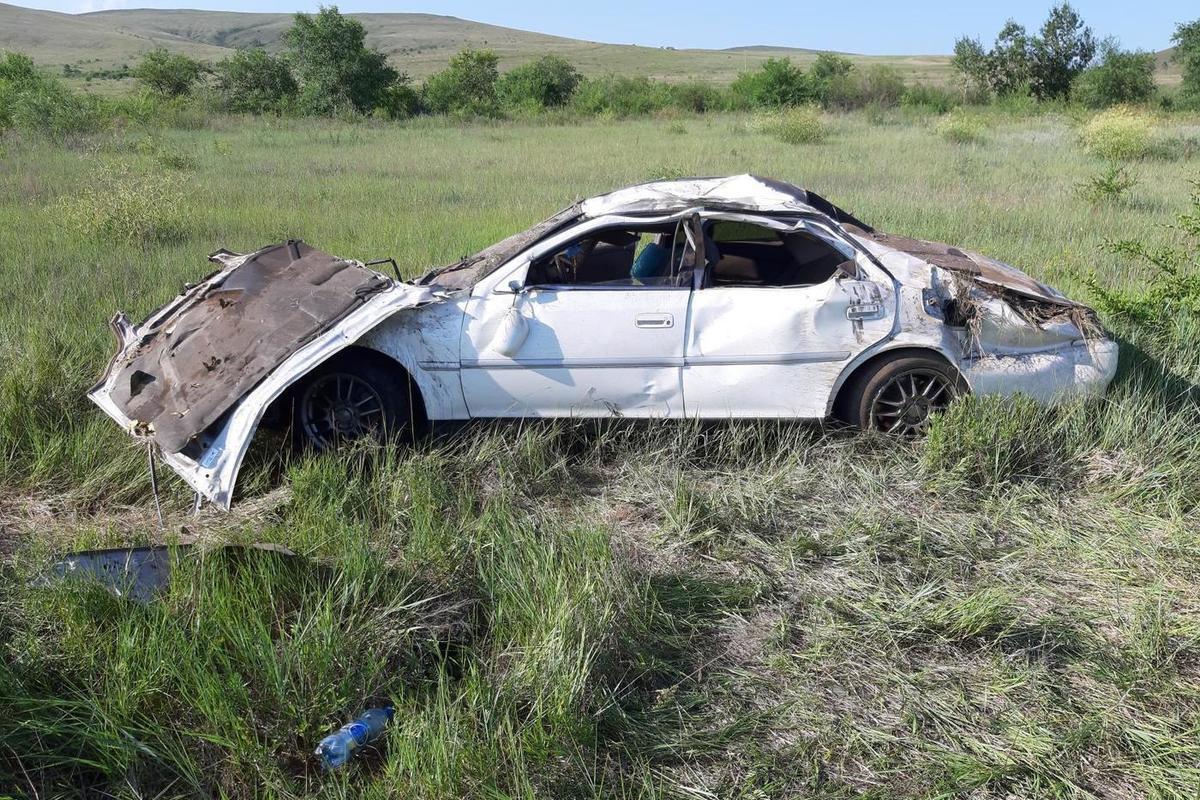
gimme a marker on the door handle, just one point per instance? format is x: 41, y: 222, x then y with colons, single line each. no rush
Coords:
x: 654, y: 321
x: 860, y: 311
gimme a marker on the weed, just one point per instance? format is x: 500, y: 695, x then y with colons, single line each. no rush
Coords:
x: 121, y: 204
x: 1110, y: 186
x: 960, y: 127
x: 1121, y: 133
x: 801, y: 125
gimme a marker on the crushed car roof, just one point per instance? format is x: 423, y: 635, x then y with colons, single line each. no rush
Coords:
x: 735, y: 193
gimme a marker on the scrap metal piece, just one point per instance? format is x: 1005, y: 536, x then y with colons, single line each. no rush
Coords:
x: 139, y: 573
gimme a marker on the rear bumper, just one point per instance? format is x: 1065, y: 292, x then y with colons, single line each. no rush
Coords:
x: 1079, y: 369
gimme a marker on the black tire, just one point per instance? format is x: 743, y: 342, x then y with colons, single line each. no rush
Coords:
x: 353, y: 396
x: 900, y: 395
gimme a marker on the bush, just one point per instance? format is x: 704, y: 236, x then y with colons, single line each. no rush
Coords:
x: 168, y: 74
x: 398, y: 101
x: 1118, y: 134
x: 698, y: 97
x: 335, y: 68
x: 120, y: 204
x: 1120, y: 77
x: 1111, y: 185
x: 547, y: 82
x: 793, y: 125
x: 778, y: 83
x: 932, y: 98
x: 880, y: 85
x: 467, y: 86
x: 831, y: 79
x: 622, y: 96
x: 960, y: 127
x: 253, y: 81
x: 33, y: 101
x: 1169, y: 296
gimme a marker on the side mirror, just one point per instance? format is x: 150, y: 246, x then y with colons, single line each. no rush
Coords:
x: 512, y: 287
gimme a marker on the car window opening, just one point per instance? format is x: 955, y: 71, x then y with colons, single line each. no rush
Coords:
x: 653, y: 256
x: 752, y: 255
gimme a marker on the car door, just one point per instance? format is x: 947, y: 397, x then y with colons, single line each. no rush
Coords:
x: 770, y: 340
x: 589, y: 346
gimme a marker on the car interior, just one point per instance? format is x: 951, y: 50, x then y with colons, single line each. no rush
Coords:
x: 751, y: 255
x: 737, y: 254
x: 651, y: 256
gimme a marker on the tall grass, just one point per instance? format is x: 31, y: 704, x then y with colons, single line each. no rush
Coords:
x: 1005, y: 608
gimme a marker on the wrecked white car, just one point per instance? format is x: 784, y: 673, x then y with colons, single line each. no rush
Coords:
x: 700, y: 298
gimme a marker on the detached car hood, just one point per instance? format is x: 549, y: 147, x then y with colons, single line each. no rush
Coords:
x: 195, y: 378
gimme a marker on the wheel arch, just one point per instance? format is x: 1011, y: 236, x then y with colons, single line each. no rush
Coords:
x: 870, y: 361
x: 358, y: 353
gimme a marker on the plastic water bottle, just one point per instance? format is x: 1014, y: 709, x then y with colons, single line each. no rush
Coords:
x: 336, y: 748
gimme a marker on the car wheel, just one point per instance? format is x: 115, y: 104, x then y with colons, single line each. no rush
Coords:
x: 902, y: 395
x: 351, y: 398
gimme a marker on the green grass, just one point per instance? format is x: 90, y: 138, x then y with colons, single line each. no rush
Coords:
x: 1005, y: 609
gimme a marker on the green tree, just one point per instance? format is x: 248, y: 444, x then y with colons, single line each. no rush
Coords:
x: 467, y: 86
x: 1064, y: 49
x: 1187, y: 54
x: 335, y: 68
x: 168, y: 74
x: 546, y: 82
x: 1121, y: 76
x: 1002, y: 70
x: 970, y: 61
x: 1009, y: 60
x: 255, y: 81
x: 775, y: 84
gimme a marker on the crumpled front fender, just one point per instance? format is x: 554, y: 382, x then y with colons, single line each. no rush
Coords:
x: 210, y: 466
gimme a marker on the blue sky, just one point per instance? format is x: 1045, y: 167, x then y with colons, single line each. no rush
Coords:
x: 860, y: 26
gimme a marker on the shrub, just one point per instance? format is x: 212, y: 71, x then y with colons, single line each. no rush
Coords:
x: 120, y: 204
x: 1169, y: 296
x: 547, y: 82
x: 336, y: 71
x: 622, y: 96
x: 698, y: 97
x: 777, y: 83
x: 1120, y: 77
x: 398, y: 101
x: 831, y: 79
x: 33, y: 101
x: 1110, y: 185
x: 990, y: 441
x: 254, y: 81
x: 880, y: 85
x: 168, y: 74
x: 932, y: 98
x: 1118, y: 134
x: 960, y: 127
x: 467, y: 86
x: 800, y: 125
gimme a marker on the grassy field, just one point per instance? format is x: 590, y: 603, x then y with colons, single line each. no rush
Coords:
x: 1007, y: 608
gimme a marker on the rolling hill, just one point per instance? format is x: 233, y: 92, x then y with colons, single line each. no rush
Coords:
x: 418, y: 44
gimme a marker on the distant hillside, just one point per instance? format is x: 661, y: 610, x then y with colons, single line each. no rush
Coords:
x: 418, y: 44
x: 53, y: 38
